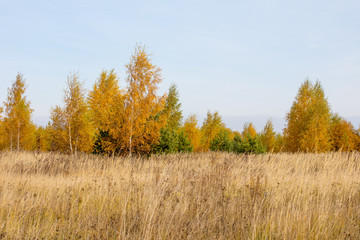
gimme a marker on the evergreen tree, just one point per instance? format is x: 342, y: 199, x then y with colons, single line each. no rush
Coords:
x: 184, y: 143
x: 248, y: 145
x: 221, y: 142
x: 168, y: 142
x: 172, y: 109
x: 172, y: 141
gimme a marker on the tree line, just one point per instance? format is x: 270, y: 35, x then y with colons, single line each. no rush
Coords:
x: 137, y: 120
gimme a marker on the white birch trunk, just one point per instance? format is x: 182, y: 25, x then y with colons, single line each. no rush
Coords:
x: 70, y: 143
x: 18, y: 137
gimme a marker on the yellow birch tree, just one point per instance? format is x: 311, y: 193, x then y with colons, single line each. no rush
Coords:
x: 106, y: 102
x: 42, y: 139
x: 73, y: 120
x: 210, y: 128
x: 57, y: 130
x: 193, y: 132
x: 142, y: 118
x: 268, y: 136
x: 343, y: 134
x: 18, y: 126
x: 308, y: 122
x: 249, y: 130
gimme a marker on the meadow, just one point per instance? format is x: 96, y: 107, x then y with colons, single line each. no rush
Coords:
x: 180, y: 196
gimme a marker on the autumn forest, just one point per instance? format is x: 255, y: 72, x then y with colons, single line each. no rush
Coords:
x: 137, y: 120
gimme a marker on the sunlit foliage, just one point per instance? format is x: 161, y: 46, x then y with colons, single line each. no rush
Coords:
x: 17, y: 125
x: 308, y: 122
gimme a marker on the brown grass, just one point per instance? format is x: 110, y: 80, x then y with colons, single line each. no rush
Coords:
x: 197, y: 196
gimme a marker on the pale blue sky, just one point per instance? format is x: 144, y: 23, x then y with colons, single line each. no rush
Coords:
x: 245, y: 59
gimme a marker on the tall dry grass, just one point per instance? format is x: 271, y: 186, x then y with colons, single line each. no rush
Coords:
x: 198, y: 196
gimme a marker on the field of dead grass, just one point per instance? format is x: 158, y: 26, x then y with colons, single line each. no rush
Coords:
x: 196, y: 196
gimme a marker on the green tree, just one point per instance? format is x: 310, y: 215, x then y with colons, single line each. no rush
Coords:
x: 221, y: 142
x: 168, y: 142
x: 17, y: 123
x: 308, y: 122
x: 184, y: 143
x: 172, y: 141
x: 172, y: 109
x: 247, y: 144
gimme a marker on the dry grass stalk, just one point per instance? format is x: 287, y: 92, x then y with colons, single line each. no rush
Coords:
x: 197, y: 196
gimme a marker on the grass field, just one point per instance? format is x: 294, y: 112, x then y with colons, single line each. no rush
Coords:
x: 196, y: 196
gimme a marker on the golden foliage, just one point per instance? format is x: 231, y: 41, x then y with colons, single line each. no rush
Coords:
x: 193, y: 132
x: 211, y: 126
x: 103, y: 100
x: 71, y: 124
x: 106, y: 102
x: 57, y: 130
x: 343, y: 134
x: 249, y: 130
x: 142, y: 118
x: 42, y: 141
x: 308, y: 122
x: 17, y: 124
x: 267, y: 137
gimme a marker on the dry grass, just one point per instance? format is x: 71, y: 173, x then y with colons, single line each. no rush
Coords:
x: 199, y: 196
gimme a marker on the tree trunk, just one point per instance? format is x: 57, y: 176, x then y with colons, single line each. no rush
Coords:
x: 11, y: 140
x: 70, y: 143
x: 18, y: 138
x: 131, y: 129
x: 76, y: 144
x: 130, y: 142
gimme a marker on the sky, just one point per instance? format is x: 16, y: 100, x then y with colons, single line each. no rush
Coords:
x: 244, y: 59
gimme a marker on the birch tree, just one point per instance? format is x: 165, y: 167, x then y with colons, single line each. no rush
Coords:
x: 17, y: 123
x: 142, y: 118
